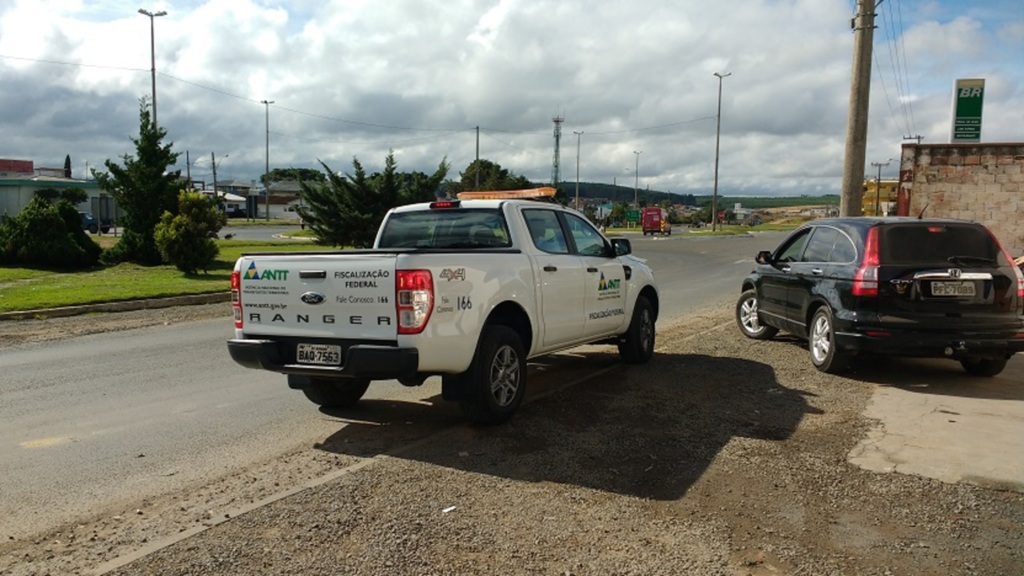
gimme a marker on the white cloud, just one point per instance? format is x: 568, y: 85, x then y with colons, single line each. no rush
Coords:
x: 356, y: 78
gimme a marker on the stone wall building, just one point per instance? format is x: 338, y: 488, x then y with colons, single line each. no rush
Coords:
x: 980, y: 182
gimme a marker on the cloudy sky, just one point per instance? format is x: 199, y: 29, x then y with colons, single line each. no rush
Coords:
x: 355, y: 78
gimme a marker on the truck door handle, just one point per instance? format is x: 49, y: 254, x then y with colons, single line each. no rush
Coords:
x: 550, y: 268
x: 312, y: 274
x: 591, y: 269
x: 816, y: 271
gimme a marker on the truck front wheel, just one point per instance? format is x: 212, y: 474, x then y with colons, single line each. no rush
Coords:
x: 636, y: 346
x: 335, y: 392
x: 495, y: 384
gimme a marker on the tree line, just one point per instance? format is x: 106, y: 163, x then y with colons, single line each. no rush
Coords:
x: 163, y: 224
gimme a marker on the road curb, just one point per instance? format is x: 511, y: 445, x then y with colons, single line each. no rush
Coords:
x: 122, y: 306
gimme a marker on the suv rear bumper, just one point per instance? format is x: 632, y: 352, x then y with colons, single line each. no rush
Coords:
x: 360, y: 360
x: 925, y: 345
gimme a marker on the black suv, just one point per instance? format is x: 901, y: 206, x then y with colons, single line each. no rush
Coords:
x: 900, y: 286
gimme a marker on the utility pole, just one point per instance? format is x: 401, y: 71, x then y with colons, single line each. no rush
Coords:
x: 266, y: 172
x: 863, y: 24
x: 213, y: 161
x: 718, y: 133
x: 878, y: 183
x: 578, y: 134
x: 636, y: 179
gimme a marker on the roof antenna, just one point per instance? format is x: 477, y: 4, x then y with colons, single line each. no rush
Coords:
x: 922, y: 211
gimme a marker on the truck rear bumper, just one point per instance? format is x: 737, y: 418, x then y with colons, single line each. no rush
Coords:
x: 361, y: 360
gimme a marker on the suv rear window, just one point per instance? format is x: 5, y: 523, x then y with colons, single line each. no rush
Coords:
x: 937, y: 243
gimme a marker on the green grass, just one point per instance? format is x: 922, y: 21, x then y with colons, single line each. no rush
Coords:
x: 31, y: 289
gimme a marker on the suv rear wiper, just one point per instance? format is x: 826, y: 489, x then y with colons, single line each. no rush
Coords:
x: 971, y: 261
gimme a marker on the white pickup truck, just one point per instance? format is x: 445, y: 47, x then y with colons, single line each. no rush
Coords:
x: 465, y: 289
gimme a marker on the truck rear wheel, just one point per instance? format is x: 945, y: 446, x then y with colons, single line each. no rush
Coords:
x: 335, y: 392
x: 495, y: 384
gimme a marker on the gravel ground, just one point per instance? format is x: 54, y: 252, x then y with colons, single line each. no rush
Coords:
x: 722, y: 456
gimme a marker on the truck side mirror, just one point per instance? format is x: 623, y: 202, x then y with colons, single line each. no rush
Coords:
x: 622, y: 246
x: 764, y: 257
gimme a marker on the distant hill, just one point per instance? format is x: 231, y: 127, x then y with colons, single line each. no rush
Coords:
x: 613, y: 193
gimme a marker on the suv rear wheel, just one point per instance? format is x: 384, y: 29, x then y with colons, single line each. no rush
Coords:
x: 983, y: 366
x: 821, y: 342
x: 748, y: 320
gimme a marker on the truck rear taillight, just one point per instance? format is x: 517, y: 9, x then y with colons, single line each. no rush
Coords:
x: 236, y: 297
x: 414, y: 299
x: 865, y: 282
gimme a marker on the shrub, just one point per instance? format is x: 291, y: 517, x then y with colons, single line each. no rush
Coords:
x: 185, y: 239
x: 47, y: 236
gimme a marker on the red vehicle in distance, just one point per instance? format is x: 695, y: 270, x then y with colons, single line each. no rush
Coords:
x: 655, y: 221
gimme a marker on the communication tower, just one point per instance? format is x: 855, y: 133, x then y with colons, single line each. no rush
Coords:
x: 556, y: 170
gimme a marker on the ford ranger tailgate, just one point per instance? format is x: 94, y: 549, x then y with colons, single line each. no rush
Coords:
x: 348, y: 295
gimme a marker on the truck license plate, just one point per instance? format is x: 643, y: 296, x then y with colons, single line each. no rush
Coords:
x: 323, y: 354
x: 953, y: 288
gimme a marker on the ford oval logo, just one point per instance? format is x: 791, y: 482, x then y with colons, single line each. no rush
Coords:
x: 313, y: 298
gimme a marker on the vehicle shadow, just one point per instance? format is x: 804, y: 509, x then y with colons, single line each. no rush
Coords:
x: 938, y: 376
x: 650, y: 431
x: 930, y: 375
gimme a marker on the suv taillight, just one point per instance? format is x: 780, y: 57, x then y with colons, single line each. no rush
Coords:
x: 865, y: 282
x: 236, y: 297
x: 414, y: 299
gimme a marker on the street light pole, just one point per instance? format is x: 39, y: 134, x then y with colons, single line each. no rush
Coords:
x: 636, y: 179
x: 578, y: 134
x: 266, y: 172
x: 718, y: 133
x: 878, y: 182
x: 152, y: 53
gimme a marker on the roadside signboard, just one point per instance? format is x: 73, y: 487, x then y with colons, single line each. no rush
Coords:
x: 632, y: 216
x: 968, y: 97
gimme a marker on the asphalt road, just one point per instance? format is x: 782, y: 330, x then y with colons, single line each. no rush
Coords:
x: 146, y: 412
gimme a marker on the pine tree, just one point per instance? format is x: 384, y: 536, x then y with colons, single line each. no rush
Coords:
x: 347, y: 210
x: 144, y: 189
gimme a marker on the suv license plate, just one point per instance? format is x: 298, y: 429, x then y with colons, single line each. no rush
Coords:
x: 961, y: 288
x: 323, y: 354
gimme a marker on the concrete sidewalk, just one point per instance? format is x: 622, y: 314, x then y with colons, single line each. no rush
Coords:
x: 121, y: 306
x: 935, y: 421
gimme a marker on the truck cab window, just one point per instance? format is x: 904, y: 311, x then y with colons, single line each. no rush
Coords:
x: 589, y: 241
x: 545, y: 231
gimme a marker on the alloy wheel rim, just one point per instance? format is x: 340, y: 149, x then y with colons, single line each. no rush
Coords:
x: 646, y: 330
x: 820, y: 341
x: 748, y: 316
x: 505, y: 376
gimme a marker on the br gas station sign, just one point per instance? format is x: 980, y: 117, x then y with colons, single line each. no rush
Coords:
x: 968, y: 97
